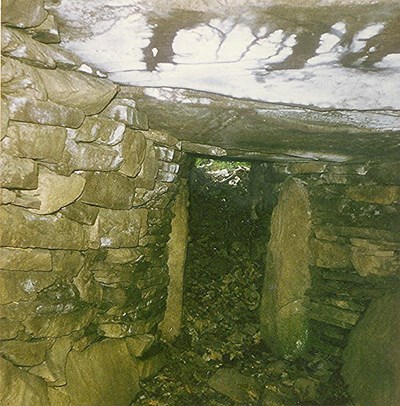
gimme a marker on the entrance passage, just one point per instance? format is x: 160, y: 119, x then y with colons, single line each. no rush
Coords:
x: 219, y: 357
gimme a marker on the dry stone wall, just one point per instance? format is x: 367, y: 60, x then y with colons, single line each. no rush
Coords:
x: 354, y: 263
x: 86, y: 190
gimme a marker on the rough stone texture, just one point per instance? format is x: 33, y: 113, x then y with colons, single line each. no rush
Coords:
x: 16, y: 259
x: 122, y: 255
x: 88, y: 157
x: 17, y: 44
x: 67, y: 264
x: 109, y: 190
x: 9, y: 328
x: 282, y: 313
x: 4, y: 117
x: 238, y: 387
x: 331, y: 255
x: 371, y: 366
x: 138, y: 345
x: 44, y: 143
x: 133, y: 149
x: 150, y: 366
x: 124, y: 110
x: 89, y: 290
x: 122, y: 228
x: 25, y: 353
x: 147, y: 175
x: 75, y: 89
x: 21, y: 80
x: 100, y: 129
x: 52, y: 370
x: 81, y: 213
x: 47, y: 32
x: 383, y: 263
x: 374, y: 194
x: 17, y: 173
x: 92, y: 369
x: 21, y: 228
x: 55, y: 191
x: 15, y: 286
x: 387, y: 172
x: 44, y: 112
x: 65, y: 280
x: 306, y: 167
x: 57, y: 396
x: 176, y: 248
x: 56, y: 325
x: 7, y: 196
x: 22, y: 13
x: 64, y: 58
x: 20, y: 387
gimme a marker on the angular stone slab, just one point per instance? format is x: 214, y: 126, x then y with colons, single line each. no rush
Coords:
x: 16, y: 259
x: 138, y: 345
x: 18, y: 44
x: 25, y: 353
x: 330, y: 254
x: 88, y: 157
x: 9, y: 328
x: 47, y: 32
x: 18, y: 173
x: 148, y: 173
x: 283, y: 318
x: 44, y: 143
x: 122, y: 255
x: 371, y: 360
x: 121, y: 228
x: 56, y: 325
x: 43, y: 112
x: 58, y: 396
x: 382, y: 263
x: 89, y: 290
x: 236, y: 386
x: 75, y: 89
x: 23, y: 13
x: 21, y: 80
x: 20, y: 387
x: 21, y: 228
x: 64, y: 58
x: 67, y: 264
x: 133, y: 149
x: 15, y: 286
x: 81, y: 213
x: 7, y: 196
x: 110, y: 190
x: 106, y: 370
x: 52, y: 370
x: 378, y: 194
x: 55, y: 191
x: 100, y: 129
x: 124, y: 110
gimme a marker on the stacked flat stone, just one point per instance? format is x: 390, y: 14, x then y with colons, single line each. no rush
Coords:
x: 352, y: 260
x: 85, y: 215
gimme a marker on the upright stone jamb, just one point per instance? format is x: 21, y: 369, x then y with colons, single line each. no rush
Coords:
x: 287, y: 277
x: 177, y: 247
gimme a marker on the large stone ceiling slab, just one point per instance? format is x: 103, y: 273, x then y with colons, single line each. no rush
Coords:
x: 324, y: 56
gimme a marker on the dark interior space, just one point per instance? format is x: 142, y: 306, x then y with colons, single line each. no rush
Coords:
x: 219, y: 357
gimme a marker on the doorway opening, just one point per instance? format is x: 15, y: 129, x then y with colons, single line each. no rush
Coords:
x: 219, y: 358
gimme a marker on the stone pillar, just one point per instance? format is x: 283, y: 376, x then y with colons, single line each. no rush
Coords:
x: 287, y: 277
x: 177, y: 246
